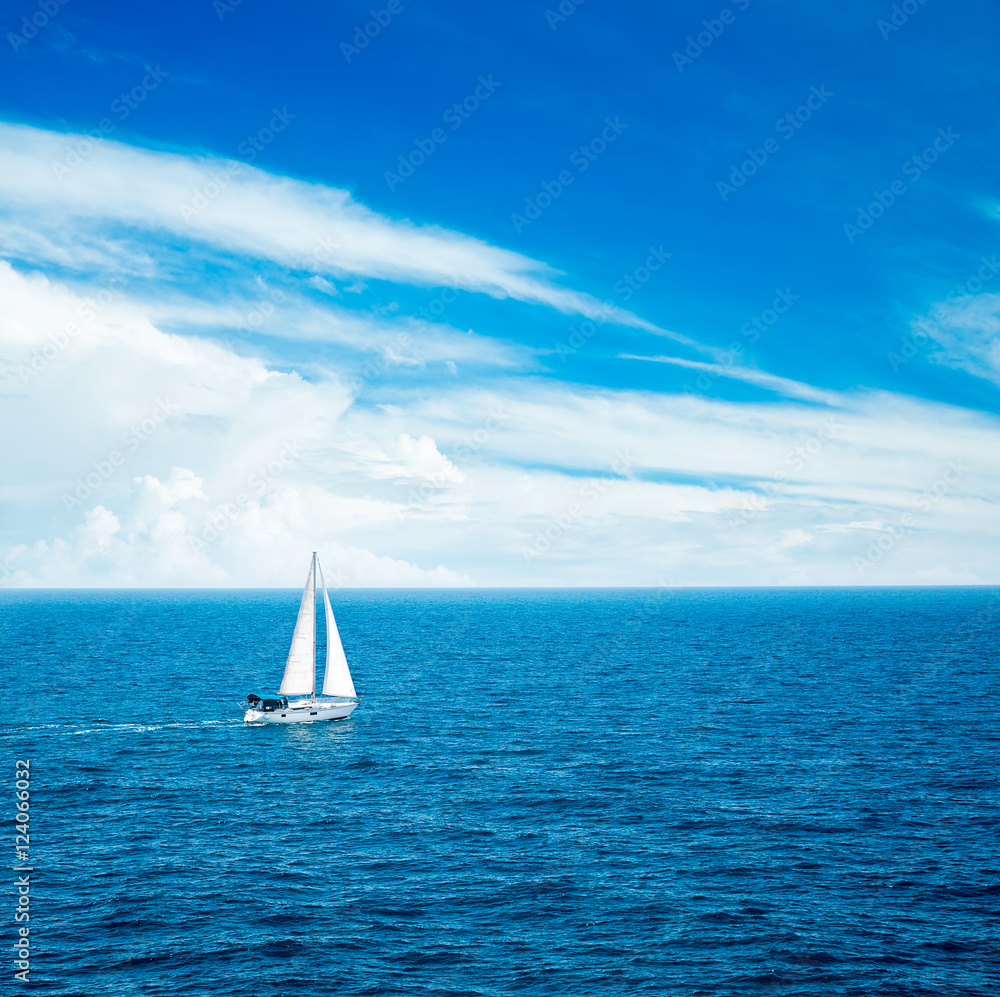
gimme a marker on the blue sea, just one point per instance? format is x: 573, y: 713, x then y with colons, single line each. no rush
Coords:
x: 610, y: 792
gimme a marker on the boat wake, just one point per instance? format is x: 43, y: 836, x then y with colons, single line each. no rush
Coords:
x: 107, y: 726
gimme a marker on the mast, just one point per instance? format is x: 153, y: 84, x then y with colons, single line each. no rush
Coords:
x: 312, y: 652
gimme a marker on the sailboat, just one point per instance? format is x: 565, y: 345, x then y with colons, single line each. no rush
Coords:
x: 339, y: 700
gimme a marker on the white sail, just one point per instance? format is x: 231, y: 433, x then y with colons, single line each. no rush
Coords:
x: 300, y: 670
x: 337, y: 679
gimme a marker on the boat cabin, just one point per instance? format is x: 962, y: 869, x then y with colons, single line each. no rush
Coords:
x: 267, y: 705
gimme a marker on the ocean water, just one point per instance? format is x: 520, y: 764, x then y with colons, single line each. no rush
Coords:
x: 676, y: 792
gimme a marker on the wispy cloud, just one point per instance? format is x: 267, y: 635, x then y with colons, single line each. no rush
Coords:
x: 117, y: 189
x: 772, y: 382
x: 967, y: 335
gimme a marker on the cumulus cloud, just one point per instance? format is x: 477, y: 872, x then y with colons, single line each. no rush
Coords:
x: 137, y: 441
x: 162, y: 543
x: 792, y: 538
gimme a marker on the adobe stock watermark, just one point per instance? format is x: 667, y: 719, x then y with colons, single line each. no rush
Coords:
x: 786, y: 126
x: 21, y: 825
x: 454, y: 116
x: 390, y: 355
x: 122, y: 106
x: 131, y: 440
x: 985, y: 617
x: 259, y: 140
x: 47, y: 9
x: 624, y: 287
x: 562, y: 13
x: 258, y: 484
x: 223, y: 7
x: 469, y: 446
x: 581, y: 158
x: 255, y: 319
x: 925, y: 330
x: 900, y: 15
x: 436, y: 480
x: 923, y: 503
x: 634, y: 281
x: 665, y: 588
x: 914, y: 168
x: 783, y: 300
x: 796, y: 459
x: 725, y: 360
x: 712, y: 29
x: 220, y: 179
x: 437, y: 305
x: 591, y: 491
x: 366, y: 33
x: 733, y: 355
x: 115, y: 285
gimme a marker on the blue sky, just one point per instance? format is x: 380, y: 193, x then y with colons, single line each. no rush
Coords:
x: 368, y: 266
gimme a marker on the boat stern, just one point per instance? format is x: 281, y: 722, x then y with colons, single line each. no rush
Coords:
x: 257, y: 708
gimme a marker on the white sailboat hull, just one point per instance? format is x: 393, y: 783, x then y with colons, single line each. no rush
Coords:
x: 302, y: 712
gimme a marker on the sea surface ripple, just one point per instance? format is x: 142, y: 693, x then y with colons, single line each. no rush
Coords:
x: 575, y: 792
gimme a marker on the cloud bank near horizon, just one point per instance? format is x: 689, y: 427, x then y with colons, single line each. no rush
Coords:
x: 166, y: 438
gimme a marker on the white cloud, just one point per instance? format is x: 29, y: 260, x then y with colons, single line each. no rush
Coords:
x: 874, y: 524
x: 147, y: 453
x: 421, y: 456
x: 967, y: 332
x: 133, y: 438
x: 781, y: 385
x: 262, y: 546
x: 792, y: 538
x: 241, y: 209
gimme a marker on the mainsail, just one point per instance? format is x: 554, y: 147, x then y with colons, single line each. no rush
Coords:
x: 300, y: 670
x: 337, y: 679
